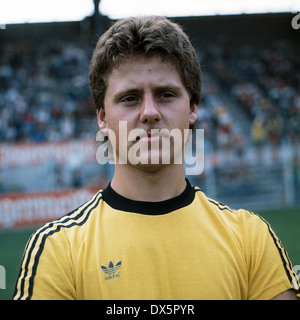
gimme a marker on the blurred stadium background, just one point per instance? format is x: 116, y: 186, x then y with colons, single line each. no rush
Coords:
x: 250, y: 111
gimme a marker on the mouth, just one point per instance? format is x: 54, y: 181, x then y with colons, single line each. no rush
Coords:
x: 152, y: 135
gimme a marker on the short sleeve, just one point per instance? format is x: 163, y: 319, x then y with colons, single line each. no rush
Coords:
x: 46, y: 270
x: 270, y: 269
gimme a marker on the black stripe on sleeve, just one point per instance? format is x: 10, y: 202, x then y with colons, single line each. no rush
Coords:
x: 282, y: 252
x: 44, y: 232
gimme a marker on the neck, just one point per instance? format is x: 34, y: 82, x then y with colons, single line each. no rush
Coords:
x: 136, y: 184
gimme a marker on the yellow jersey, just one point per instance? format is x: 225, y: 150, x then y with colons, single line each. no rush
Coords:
x: 188, y: 247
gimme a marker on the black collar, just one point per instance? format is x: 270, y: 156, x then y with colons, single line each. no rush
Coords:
x: 118, y: 202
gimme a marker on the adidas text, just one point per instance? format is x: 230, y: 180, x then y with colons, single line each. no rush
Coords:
x: 112, y: 276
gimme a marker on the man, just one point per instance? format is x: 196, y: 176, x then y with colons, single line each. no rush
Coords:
x: 150, y: 234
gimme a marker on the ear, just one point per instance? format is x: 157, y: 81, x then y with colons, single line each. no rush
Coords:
x: 193, y: 114
x: 101, y: 119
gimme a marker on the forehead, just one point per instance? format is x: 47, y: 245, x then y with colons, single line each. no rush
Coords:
x: 140, y: 68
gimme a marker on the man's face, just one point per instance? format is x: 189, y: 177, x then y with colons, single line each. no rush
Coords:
x: 146, y: 93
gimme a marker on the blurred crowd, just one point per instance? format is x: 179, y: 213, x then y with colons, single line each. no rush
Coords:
x: 44, y: 94
x: 265, y: 82
x: 222, y: 130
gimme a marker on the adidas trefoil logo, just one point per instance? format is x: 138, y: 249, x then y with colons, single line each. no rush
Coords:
x: 112, y: 271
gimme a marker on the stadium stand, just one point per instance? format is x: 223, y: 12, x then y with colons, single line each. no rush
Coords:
x: 250, y: 107
x: 44, y: 92
x: 265, y: 84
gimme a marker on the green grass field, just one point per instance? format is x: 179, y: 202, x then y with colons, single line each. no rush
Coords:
x: 285, y: 222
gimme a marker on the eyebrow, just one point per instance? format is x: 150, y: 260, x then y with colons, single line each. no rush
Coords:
x: 168, y: 87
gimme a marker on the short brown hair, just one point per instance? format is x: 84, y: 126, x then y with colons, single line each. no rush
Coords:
x: 147, y: 36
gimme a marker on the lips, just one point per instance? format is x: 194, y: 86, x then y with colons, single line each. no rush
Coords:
x: 152, y: 134
x: 150, y: 137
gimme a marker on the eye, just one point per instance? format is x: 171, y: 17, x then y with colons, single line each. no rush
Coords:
x: 129, y: 100
x: 166, y: 96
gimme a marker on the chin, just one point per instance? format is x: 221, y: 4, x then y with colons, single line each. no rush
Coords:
x: 151, y: 168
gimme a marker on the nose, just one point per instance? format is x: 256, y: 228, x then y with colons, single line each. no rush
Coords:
x: 149, y: 111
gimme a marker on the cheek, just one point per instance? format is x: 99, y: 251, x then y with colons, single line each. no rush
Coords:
x: 180, y: 119
x: 112, y: 120
x: 115, y: 117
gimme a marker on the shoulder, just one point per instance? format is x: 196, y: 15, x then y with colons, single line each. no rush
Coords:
x: 266, y: 259
x: 50, y: 244
x: 223, y: 210
x: 242, y: 223
x: 66, y: 224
